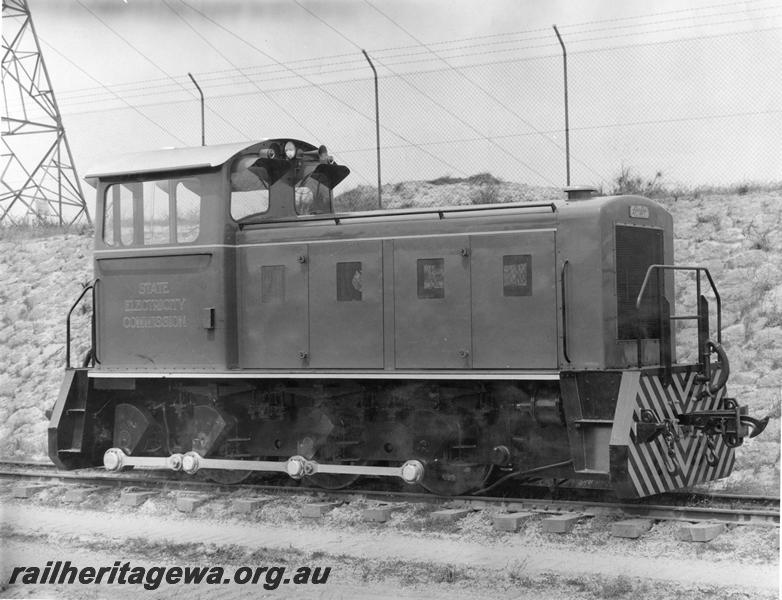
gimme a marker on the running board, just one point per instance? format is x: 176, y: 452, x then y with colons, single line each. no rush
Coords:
x: 514, y: 375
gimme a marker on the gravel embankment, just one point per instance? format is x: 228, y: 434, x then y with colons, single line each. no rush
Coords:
x: 739, y: 237
x: 41, y: 278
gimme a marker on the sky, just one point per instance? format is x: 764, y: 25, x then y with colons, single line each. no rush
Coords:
x: 686, y: 88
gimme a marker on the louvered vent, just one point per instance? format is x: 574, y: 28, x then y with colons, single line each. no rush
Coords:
x: 636, y: 249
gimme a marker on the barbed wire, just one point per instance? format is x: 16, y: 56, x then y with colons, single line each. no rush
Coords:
x: 359, y: 63
x: 488, y: 103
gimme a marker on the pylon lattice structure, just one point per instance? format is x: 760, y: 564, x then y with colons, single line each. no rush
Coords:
x: 39, y: 180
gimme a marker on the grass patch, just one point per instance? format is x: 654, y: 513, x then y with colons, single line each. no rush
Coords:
x: 630, y: 182
x: 736, y: 189
x: 477, y: 179
x: 758, y: 236
x: 709, y: 219
x: 516, y: 572
x: 446, y: 180
x: 485, y: 194
x: 620, y: 587
x: 13, y: 232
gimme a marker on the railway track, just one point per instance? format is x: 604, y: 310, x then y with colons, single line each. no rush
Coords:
x: 680, y: 506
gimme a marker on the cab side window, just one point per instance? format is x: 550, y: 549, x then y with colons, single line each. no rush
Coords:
x: 152, y: 213
x: 157, y: 213
x: 118, y: 216
x: 187, y: 194
x: 108, y: 220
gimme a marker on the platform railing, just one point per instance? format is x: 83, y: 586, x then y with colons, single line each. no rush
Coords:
x: 87, y: 288
x: 665, y: 318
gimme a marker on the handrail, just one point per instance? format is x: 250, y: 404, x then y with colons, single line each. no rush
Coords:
x: 702, y: 318
x: 697, y: 271
x: 564, y: 312
x: 87, y: 288
x: 95, y: 358
x: 441, y: 212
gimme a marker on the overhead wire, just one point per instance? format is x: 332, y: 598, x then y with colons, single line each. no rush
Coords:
x: 481, y: 88
x: 128, y: 104
x: 152, y: 62
x: 593, y: 22
x: 601, y: 126
x: 495, y: 63
x: 474, y: 65
x: 282, y: 108
x: 266, y: 95
x: 573, y: 30
x: 228, y: 60
x: 153, y: 91
x: 423, y: 53
x: 318, y: 86
x: 458, y: 118
x: 379, y: 53
x: 613, y: 125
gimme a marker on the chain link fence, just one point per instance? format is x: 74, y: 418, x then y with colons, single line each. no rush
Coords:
x: 689, y: 108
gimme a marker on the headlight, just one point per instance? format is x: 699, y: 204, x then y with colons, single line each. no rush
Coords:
x: 290, y: 150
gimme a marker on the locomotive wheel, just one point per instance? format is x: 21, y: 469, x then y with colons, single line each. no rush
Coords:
x: 331, y: 481
x: 435, y: 435
x: 331, y: 441
x: 326, y: 452
x: 446, y: 478
x: 225, y: 477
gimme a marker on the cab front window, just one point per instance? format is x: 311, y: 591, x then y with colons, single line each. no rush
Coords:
x: 249, y: 190
x: 269, y: 185
x: 312, y: 197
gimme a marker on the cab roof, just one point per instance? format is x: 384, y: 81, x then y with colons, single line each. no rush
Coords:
x: 171, y: 159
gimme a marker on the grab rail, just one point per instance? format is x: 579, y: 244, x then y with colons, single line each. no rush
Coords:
x: 87, y: 288
x: 564, y: 312
x: 440, y: 212
x: 697, y: 271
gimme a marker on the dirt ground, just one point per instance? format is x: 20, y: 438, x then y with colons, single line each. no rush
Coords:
x: 411, y: 556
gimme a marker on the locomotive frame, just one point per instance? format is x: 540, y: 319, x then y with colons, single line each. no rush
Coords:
x: 241, y: 325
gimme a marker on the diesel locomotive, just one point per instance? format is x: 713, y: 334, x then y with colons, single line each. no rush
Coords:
x: 240, y: 325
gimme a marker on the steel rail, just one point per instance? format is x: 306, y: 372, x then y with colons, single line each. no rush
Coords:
x: 643, y: 508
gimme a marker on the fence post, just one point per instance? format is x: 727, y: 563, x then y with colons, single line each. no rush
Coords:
x: 567, y: 121
x: 377, y: 132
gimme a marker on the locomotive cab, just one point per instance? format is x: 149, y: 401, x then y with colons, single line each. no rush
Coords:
x: 164, y: 254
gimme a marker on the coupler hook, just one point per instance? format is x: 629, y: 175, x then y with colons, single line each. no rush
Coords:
x: 731, y: 422
x: 711, y: 455
x: 671, y: 464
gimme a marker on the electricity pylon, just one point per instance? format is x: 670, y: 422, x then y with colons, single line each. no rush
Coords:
x: 39, y: 180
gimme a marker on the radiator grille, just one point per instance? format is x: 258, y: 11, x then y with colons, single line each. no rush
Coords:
x: 636, y: 249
